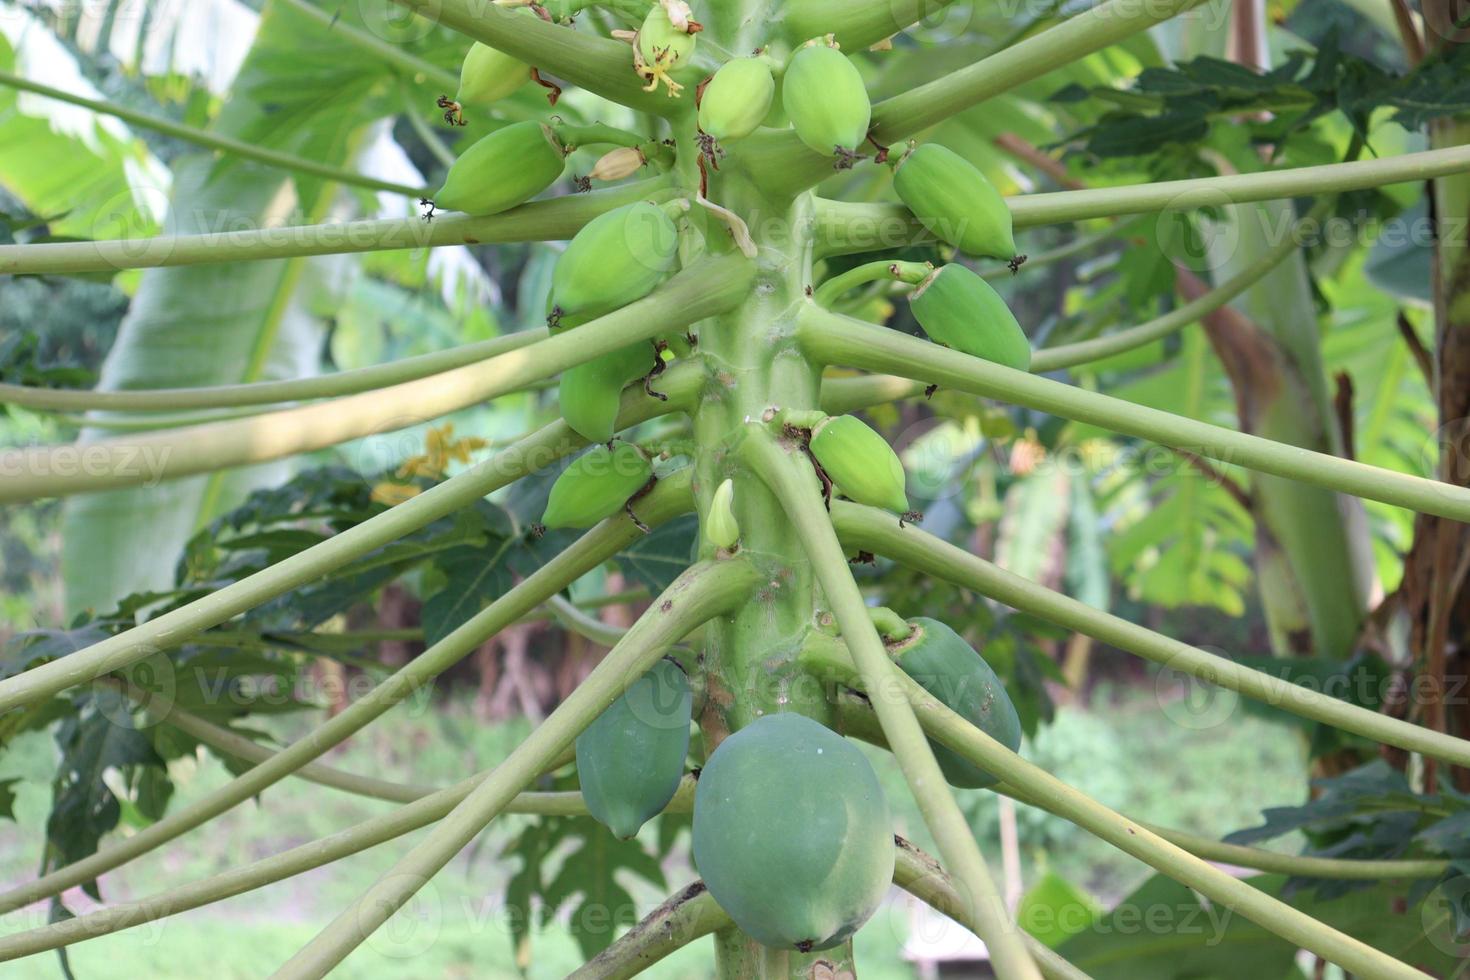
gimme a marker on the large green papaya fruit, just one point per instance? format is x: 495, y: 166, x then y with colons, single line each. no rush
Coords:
x: 826, y: 101
x: 859, y: 462
x: 951, y: 197
x: 947, y: 667
x: 488, y: 75
x: 506, y: 168
x: 959, y: 309
x: 597, y: 485
x: 792, y: 833
x: 590, y: 394
x: 736, y: 99
x: 630, y: 760
x: 616, y: 258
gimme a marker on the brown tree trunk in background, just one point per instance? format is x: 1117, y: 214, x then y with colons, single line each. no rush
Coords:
x: 1433, y: 596
x: 396, y: 609
x: 487, y: 665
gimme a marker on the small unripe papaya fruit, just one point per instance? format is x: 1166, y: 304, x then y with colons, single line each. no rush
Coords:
x: 720, y: 525
x: 617, y: 257
x: 792, y: 833
x: 597, y: 485
x: 661, y: 41
x: 488, y: 75
x: 951, y: 197
x: 506, y: 168
x: 630, y: 760
x: 826, y: 101
x: 942, y: 663
x: 859, y: 462
x: 589, y: 394
x: 737, y: 98
x: 959, y: 309
x: 663, y: 44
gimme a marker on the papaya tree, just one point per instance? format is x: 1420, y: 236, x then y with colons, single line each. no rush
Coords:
x: 714, y: 324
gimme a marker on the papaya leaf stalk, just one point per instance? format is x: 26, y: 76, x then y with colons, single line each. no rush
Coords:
x: 870, y: 529
x: 348, y: 382
x: 844, y: 227
x: 214, y: 141
x: 1129, y: 836
x: 599, y: 65
x: 834, y: 339
x: 710, y: 287
x: 535, y: 221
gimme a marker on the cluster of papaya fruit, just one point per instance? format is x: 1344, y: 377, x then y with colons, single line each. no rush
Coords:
x: 958, y: 205
x: 792, y: 832
x: 823, y: 100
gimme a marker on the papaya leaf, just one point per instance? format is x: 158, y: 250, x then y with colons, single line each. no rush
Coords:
x: 472, y: 578
x: 1053, y: 910
x: 657, y: 558
x: 531, y: 847
x: 23, y: 362
x: 586, y: 885
x: 1178, y: 105
x: 1164, y: 931
x: 101, y: 738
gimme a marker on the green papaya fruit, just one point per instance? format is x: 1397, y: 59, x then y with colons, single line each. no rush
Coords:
x: 506, y: 168
x: 792, y: 833
x: 947, y: 667
x: 630, y: 760
x: 951, y: 197
x: 959, y: 309
x: 597, y: 485
x: 859, y: 462
x: 616, y: 258
x: 488, y: 75
x: 662, y: 46
x: 736, y: 99
x: 590, y: 394
x: 720, y: 525
x: 826, y: 101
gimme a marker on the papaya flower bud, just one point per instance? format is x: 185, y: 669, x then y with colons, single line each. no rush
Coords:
x: 617, y: 164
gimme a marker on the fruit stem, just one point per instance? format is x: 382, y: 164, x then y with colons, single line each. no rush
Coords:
x: 889, y: 624
x: 898, y: 271
x: 596, y: 134
x: 801, y: 418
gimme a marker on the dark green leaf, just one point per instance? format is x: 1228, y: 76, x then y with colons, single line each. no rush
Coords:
x: 473, y: 578
x: 656, y: 559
